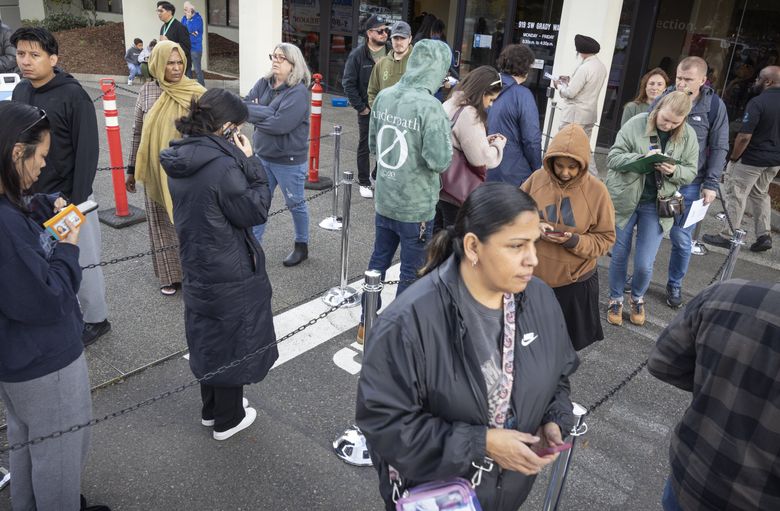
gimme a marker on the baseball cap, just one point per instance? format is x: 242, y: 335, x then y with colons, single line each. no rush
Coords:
x: 401, y: 28
x: 375, y: 21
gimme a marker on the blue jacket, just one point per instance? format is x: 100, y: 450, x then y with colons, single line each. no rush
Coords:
x: 709, y: 120
x: 281, y: 120
x: 514, y: 115
x: 194, y: 25
x: 40, y: 320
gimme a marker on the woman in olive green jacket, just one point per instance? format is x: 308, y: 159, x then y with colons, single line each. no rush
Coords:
x: 634, y: 195
x: 653, y: 84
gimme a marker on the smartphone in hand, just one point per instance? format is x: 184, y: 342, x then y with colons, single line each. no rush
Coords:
x: 553, y: 449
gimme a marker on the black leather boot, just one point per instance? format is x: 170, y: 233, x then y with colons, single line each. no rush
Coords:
x: 299, y: 254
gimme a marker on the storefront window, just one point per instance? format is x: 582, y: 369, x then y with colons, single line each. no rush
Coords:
x: 536, y: 26
x: 737, y: 39
x: 223, y: 13
x: 483, y: 33
x: 301, y: 27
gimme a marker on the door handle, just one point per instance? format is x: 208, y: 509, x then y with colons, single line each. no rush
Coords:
x: 457, y: 58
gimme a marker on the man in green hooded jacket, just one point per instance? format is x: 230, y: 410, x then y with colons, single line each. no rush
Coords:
x: 409, y: 133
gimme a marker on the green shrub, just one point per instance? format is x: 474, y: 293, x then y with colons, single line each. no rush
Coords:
x: 59, y: 21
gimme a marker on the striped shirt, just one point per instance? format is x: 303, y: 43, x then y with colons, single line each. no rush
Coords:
x: 149, y: 93
x: 725, y: 349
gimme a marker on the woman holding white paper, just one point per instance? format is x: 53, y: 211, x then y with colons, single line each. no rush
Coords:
x: 635, y: 194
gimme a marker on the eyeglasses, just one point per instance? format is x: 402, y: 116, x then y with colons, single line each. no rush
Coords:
x: 273, y: 57
x: 41, y: 116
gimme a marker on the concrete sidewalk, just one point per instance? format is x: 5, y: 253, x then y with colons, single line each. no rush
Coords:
x: 160, y: 457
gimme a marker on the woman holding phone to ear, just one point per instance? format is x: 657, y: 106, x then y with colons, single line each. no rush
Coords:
x: 220, y: 191
x: 43, y: 374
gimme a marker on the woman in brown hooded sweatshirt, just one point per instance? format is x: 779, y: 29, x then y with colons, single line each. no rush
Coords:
x: 578, y: 227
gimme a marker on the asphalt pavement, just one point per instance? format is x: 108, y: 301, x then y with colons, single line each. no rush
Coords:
x: 160, y: 457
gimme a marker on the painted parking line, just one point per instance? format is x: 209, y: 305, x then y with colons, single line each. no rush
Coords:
x: 333, y: 325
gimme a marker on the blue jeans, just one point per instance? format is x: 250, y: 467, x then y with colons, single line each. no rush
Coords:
x: 669, y: 499
x: 681, y: 239
x: 196, y: 71
x: 135, y: 70
x: 388, y: 235
x: 648, y: 238
x: 290, y: 179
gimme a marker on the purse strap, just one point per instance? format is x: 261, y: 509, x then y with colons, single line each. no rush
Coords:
x: 659, y: 182
x: 454, y: 119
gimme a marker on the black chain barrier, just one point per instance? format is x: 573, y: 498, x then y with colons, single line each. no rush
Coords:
x: 168, y: 393
x: 172, y: 247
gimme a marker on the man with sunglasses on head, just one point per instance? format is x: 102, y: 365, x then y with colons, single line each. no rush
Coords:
x: 72, y: 160
x: 357, y: 73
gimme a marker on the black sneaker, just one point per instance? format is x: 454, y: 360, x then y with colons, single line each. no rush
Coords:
x: 716, y: 240
x: 673, y: 297
x: 763, y: 242
x: 627, y: 286
x: 93, y: 331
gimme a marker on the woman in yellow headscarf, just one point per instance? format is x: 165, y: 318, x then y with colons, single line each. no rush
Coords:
x: 160, y: 103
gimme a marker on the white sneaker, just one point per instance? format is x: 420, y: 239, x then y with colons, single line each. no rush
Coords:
x: 210, y: 423
x: 366, y: 192
x: 129, y: 82
x: 251, y: 415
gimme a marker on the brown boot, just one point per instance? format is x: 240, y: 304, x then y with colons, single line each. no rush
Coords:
x: 615, y: 313
x: 637, y: 311
x: 361, y: 333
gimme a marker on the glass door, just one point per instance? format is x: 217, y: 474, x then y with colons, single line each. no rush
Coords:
x: 482, y: 36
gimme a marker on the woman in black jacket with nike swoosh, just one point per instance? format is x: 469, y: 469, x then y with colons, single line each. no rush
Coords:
x: 471, y: 364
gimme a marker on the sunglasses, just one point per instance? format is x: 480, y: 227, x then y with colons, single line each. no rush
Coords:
x: 497, y: 82
x: 277, y: 58
x: 41, y: 116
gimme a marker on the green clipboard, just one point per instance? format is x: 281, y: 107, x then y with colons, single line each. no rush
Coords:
x: 646, y: 164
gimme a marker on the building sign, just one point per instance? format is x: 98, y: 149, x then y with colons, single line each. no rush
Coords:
x: 538, y: 35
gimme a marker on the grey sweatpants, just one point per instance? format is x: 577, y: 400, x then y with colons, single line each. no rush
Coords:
x: 92, y: 293
x: 47, y: 476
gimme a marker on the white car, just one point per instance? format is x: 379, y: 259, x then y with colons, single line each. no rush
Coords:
x: 8, y: 82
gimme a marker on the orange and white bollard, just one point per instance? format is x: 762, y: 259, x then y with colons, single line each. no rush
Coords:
x: 314, y: 181
x: 122, y: 216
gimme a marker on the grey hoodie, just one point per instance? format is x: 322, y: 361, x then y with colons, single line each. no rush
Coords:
x: 281, y: 119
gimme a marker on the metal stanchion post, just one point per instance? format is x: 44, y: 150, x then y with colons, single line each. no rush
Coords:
x: 371, y: 288
x: 343, y: 295
x: 6, y: 477
x: 332, y: 223
x: 561, y: 466
x: 350, y: 446
x: 736, y: 243
x: 697, y: 247
x: 553, y: 105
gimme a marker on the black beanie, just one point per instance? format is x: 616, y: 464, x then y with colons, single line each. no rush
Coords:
x: 585, y: 44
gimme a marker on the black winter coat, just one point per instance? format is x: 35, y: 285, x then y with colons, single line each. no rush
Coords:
x: 218, y: 195
x: 357, y: 73
x: 422, y: 399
